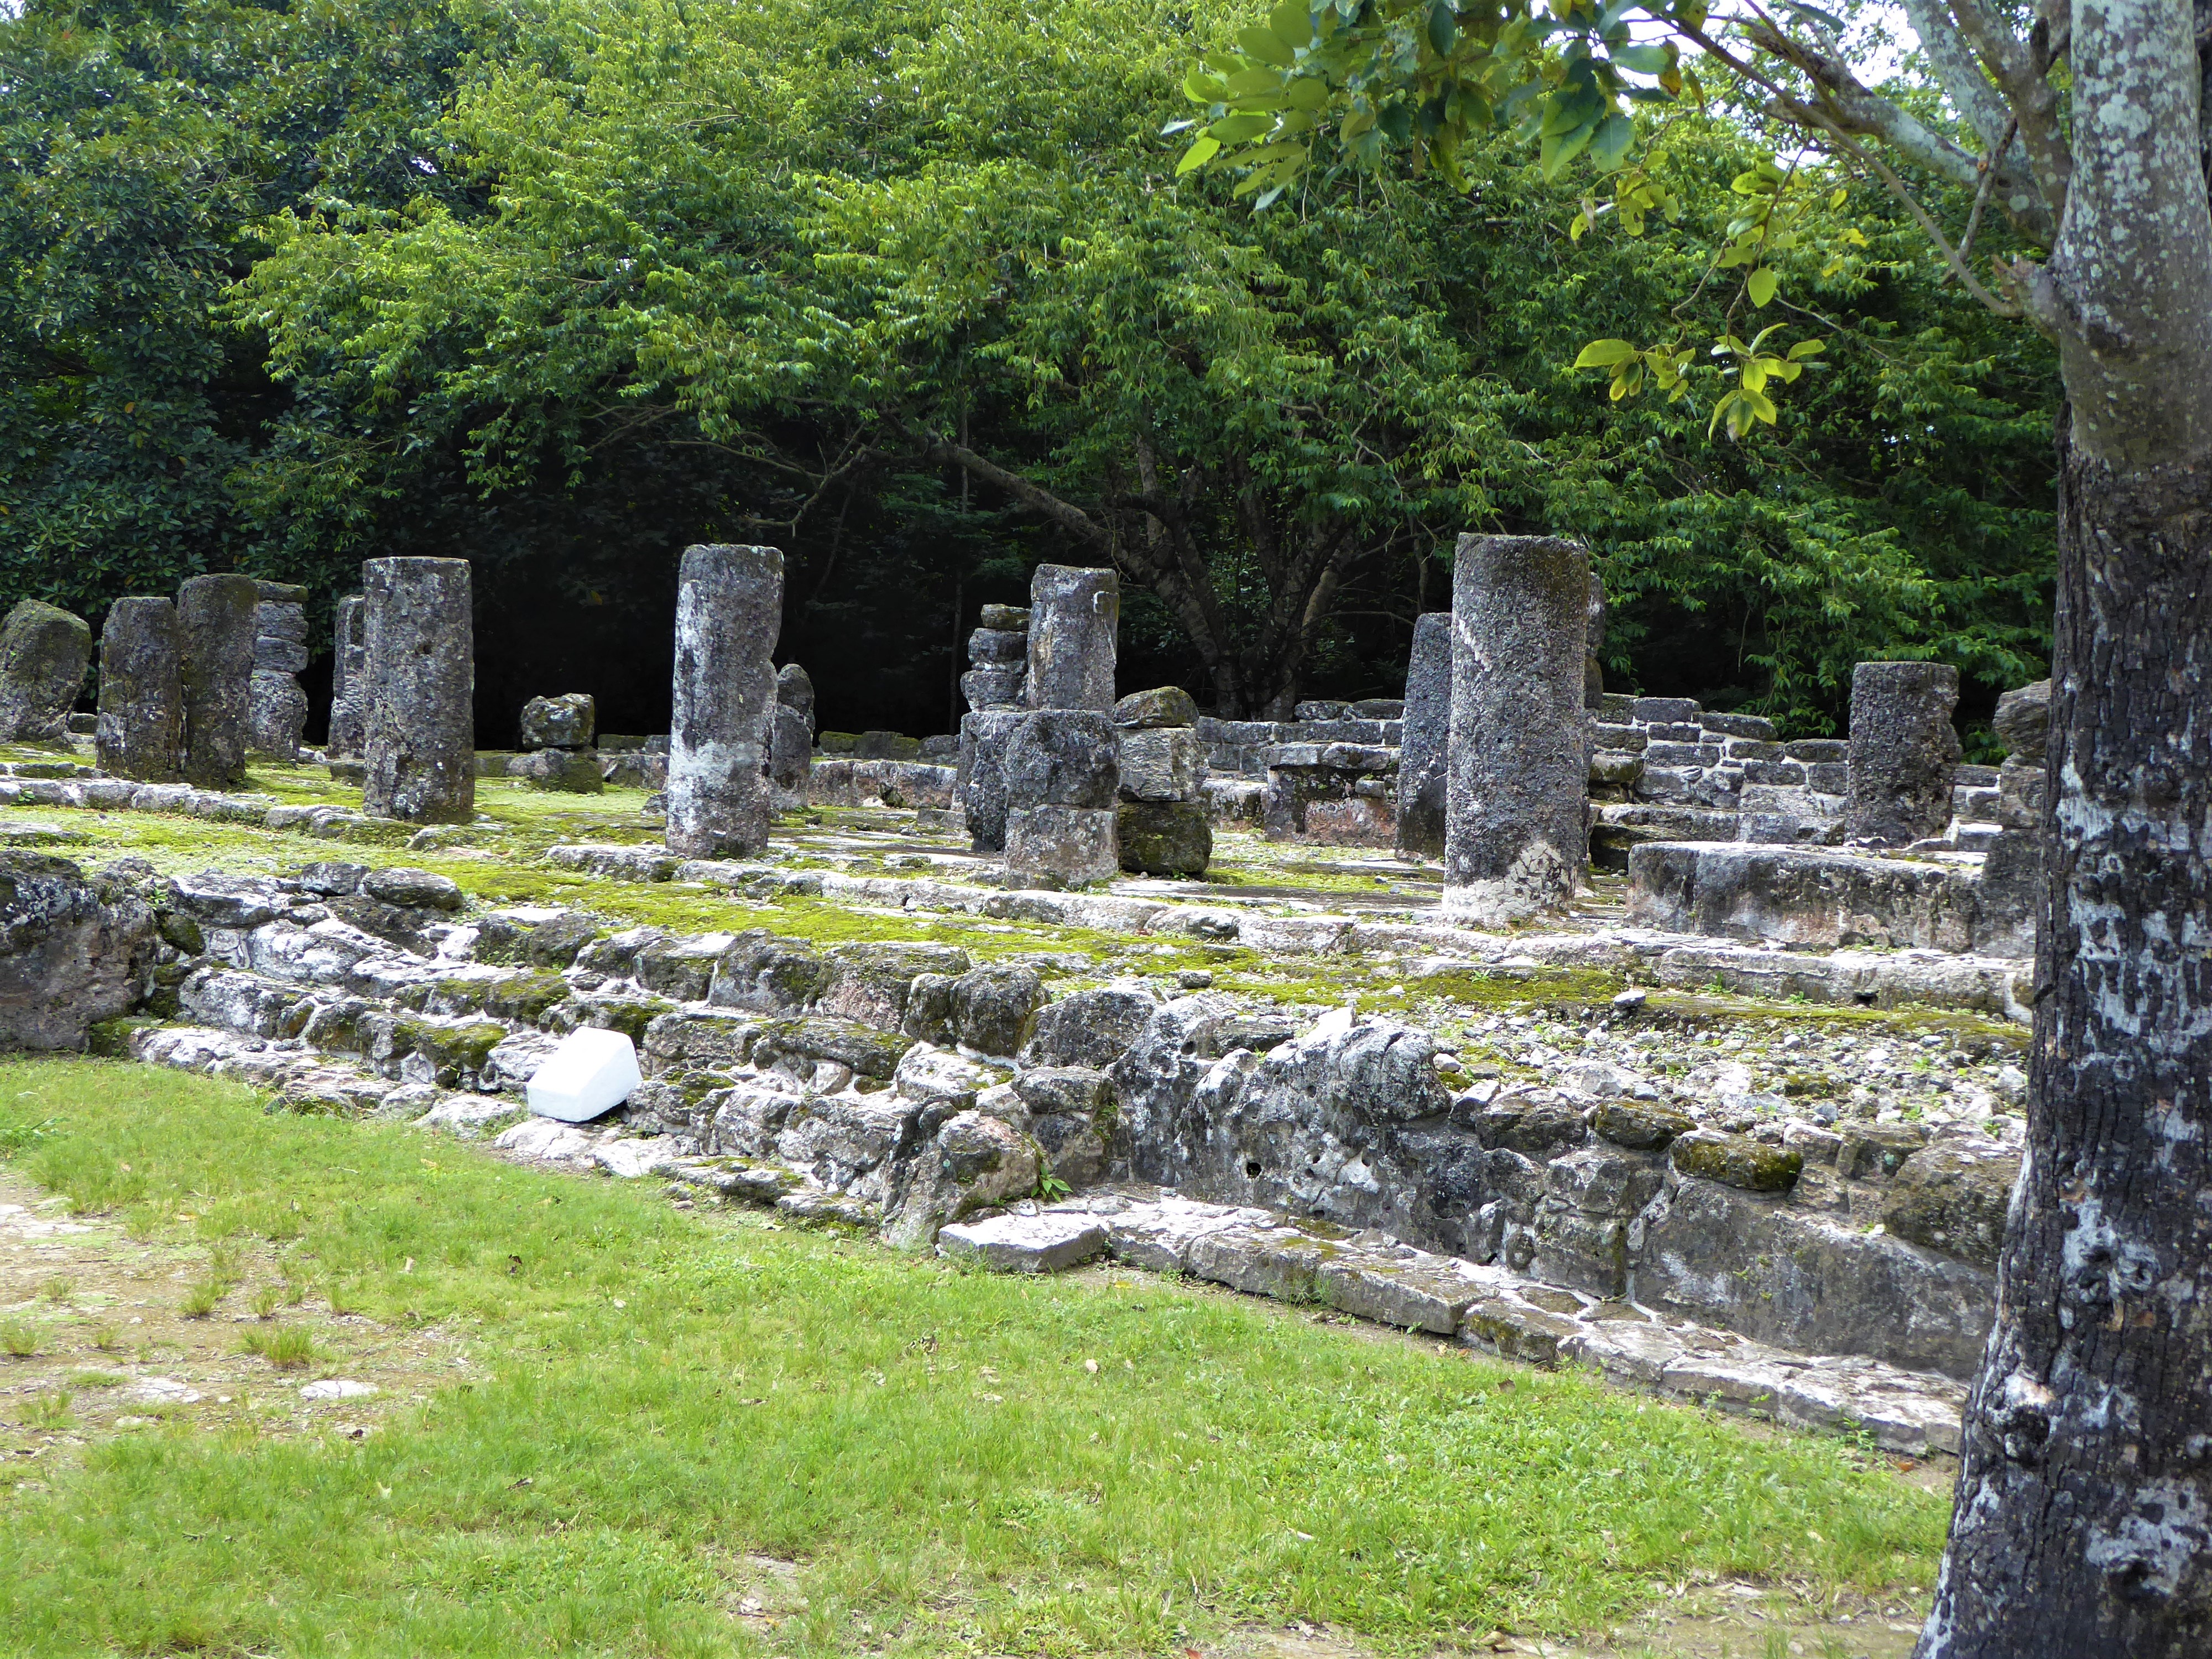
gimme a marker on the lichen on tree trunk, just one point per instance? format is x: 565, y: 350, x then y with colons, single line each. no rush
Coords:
x: 2084, y: 1515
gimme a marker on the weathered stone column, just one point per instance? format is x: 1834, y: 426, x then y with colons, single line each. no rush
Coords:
x: 1904, y: 751
x: 43, y: 653
x: 729, y: 611
x: 2012, y: 885
x: 1427, y: 730
x: 981, y: 785
x: 141, y: 732
x: 216, y: 615
x: 1063, y: 771
x: 278, y: 711
x: 998, y: 652
x: 349, y: 668
x: 1161, y: 823
x: 790, y: 737
x: 1517, y: 791
x: 1593, y: 670
x: 420, y: 679
x: 1073, y: 615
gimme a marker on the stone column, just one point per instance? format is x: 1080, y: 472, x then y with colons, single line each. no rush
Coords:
x: 278, y: 711
x: 998, y: 655
x: 556, y: 735
x: 216, y: 615
x: 1904, y: 751
x: 980, y: 786
x: 1593, y: 670
x: 1161, y: 823
x: 1063, y: 771
x: 141, y: 732
x: 420, y: 680
x: 1517, y: 782
x: 348, y: 667
x: 2011, y: 891
x: 1421, y: 750
x: 1073, y: 615
x: 790, y: 737
x: 729, y: 611
x: 43, y: 653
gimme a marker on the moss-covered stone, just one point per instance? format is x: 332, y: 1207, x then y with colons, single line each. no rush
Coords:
x: 1877, y: 1151
x: 1954, y: 1197
x: 526, y: 998
x: 869, y: 1052
x: 1737, y: 1160
x: 1639, y: 1124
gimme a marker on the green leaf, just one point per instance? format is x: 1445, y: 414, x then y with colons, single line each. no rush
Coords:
x: 1291, y: 23
x: 1762, y: 285
x: 1444, y: 28
x: 1198, y: 154
x: 1557, y: 151
x: 1644, y: 59
x: 1267, y: 46
x: 1237, y: 128
x: 1611, y: 143
x: 1761, y: 405
x: 1604, y: 354
x: 1203, y: 89
x: 1807, y: 349
x: 1246, y: 83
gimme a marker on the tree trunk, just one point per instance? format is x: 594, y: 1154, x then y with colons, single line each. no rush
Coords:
x: 2084, y: 1517
x: 2083, y: 1522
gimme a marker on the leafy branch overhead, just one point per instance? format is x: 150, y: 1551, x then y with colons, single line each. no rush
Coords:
x: 1352, y: 83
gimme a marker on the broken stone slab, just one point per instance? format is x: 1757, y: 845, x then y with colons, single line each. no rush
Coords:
x: 1803, y: 896
x: 74, y: 950
x: 1044, y: 1243
x: 1163, y: 707
x: 1061, y: 847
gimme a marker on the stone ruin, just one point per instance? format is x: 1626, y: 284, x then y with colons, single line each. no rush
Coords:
x: 277, y: 710
x: 43, y: 653
x: 1715, y: 1232
x: 558, y: 739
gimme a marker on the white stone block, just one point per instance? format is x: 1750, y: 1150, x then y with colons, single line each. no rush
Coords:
x: 591, y: 1073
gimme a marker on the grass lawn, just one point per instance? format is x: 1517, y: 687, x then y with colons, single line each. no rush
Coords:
x: 623, y: 1417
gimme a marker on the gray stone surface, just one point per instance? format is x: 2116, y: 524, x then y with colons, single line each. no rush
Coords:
x: 1173, y: 838
x: 995, y: 687
x: 420, y: 681
x: 1802, y: 897
x: 1593, y: 643
x: 1903, y: 751
x: 1161, y: 763
x: 348, y: 727
x: 1092, y: 1028
x: 216, y: 616
x: 1063, y: 756
x: 790, y: 752
x: 1422, y: 768
x: 794, y: 689
x: 74, y: 950
x: 2022, y: 722
x: 729, y: 612
x: 1518, y: 793
x: 43, y: 654
x: 1012, y: 618
x: 1056, y: 846
x: 1024, y: 1244
x: 1075, y: 615
x: 1165, y: 705
x: 567, y: 721
x: 141, y: 729
x: 563, y: 771
x: 276, y: 716
x: 981, y: 785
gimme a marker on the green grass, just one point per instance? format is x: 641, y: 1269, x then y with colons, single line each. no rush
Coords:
x: 651, y: 1394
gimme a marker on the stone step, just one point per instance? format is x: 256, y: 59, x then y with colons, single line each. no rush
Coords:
x: 1372, y: 1277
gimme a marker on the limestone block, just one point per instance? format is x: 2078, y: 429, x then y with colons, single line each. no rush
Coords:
x: 2022, y: 723
x: 1903, y: 751
x: 74, y: 950
x: 1062, y: 757
x: 567, y: 721
x: 729, y: 611
x: 994, y: 687
x: 980, y: 784
x: 991, y: 646
x: 140, y: 733
x: 420, y: 682
x: 1061, y: 847
x: 1422, y: 769
x: 43, y: 654
x: 1164, y: 838
x: 1024, y: 1244
x: 1012, y: 618
x: 216, y: 614
x: 1166, y: 706
x: 349, y: 669
x: 1518, y: 793
x: 1092, y: 1028
x: 1074, y: 616
x: 1162, y: 763
x: 564, y: 771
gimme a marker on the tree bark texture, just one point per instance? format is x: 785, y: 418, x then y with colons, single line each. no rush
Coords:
x: 2084, y: 1514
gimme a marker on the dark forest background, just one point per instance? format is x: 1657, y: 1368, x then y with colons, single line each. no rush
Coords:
x: 909, y: 289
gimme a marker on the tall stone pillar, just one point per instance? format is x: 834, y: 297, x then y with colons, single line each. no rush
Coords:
x: 1905, y: 753
x: 729, y: 611
x: 141, y: 731
x: 980, y: 784
x: 1073, y: 615
x: 1422, y: 749
x: 348, y: 670
x: 1517, y: 790
x: 217, y: 614
x: 279, y: 708
x: 1593, y: 670
x: 43, y: 653
x: 420, y: 677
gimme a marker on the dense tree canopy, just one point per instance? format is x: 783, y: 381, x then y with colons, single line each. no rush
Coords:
x: 914, y: 291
